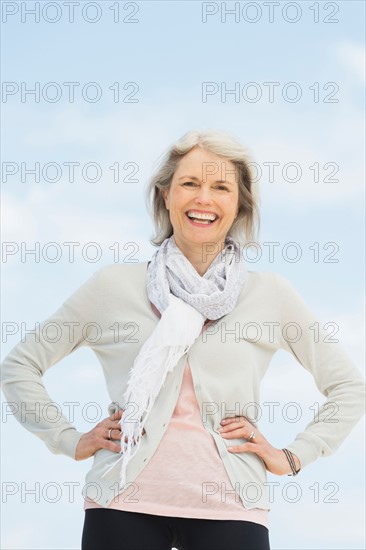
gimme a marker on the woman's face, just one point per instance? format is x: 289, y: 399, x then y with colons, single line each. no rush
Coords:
x: 204, y: 188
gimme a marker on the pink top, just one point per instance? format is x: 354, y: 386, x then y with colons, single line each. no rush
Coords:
x: 186, y: 476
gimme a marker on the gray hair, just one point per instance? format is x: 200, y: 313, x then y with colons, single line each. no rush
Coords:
x: 246, y: 225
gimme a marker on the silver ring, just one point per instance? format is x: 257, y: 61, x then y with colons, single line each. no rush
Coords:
x: 109, y: 433
x: 252, y: 436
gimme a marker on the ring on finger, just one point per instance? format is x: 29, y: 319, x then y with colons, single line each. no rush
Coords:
x: 109, y: 433
x: 252, y: 436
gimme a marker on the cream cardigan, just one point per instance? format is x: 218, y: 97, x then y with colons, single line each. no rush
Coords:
x: 227, y: 363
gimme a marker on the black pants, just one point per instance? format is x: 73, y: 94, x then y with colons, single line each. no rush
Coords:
x: 102, y: 531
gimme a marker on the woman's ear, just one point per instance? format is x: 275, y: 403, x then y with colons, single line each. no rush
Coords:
x: 165, y: 194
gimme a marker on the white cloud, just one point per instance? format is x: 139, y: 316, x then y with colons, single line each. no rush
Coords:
x: 60, y: 214
x: 327, y: 520
x: 109, y: 134
x: 352, y: 56
x: 21, y: 537
x: 18, y: 221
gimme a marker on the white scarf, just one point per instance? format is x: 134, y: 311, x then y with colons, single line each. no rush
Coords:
x: 185, y: 300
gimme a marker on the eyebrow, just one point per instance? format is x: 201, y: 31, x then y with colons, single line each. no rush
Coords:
x: 196, y: 179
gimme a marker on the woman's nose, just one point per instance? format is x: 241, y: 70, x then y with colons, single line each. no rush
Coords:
x: 203, y: 195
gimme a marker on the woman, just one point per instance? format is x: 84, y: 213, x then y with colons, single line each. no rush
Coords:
x: 180, y: 460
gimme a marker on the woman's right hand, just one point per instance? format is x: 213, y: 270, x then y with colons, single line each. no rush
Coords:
x: 97, y: 438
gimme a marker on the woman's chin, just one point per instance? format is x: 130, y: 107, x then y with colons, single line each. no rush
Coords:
x: 200, y: 238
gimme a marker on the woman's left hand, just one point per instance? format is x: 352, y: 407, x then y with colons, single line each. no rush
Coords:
x: 274, y: 459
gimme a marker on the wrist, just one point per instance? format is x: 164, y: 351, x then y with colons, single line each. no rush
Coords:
x: 294, y: 464
x: 297, y: 461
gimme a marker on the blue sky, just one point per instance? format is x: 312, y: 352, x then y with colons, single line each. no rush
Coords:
x: 169, y: 53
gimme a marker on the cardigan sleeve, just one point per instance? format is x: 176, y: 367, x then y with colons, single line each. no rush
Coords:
x: 336, y: 377
x: 22, y: 369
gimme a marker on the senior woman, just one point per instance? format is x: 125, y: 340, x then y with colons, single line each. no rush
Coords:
x: 180, y: 460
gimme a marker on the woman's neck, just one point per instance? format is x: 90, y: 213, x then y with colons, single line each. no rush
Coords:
x: 201, y: 256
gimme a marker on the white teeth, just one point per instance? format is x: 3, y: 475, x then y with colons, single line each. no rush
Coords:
x: 201, y: 216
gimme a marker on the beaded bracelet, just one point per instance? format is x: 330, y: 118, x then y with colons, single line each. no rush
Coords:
x: 290, y: 458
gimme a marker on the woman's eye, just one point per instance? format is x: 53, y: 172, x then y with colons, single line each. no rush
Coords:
x: 221, y: 187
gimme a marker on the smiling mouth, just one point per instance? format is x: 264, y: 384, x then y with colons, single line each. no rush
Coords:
x: 201, y: 219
